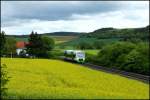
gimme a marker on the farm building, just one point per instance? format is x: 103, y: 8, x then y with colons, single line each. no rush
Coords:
x: 21, y: 45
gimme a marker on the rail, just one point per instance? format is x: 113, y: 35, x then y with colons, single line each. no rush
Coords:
x: 131, y: 75
x: 140, y: 77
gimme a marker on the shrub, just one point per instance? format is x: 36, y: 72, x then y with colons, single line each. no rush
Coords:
x: 109, y: 54
x: 4, y: 80
x: 137, y: 60
x: 126, y: 56
x: 55, y: 54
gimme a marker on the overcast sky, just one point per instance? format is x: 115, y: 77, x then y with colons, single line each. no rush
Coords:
x: 21, y: 17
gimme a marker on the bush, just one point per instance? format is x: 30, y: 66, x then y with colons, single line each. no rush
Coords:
x: 109, y: 54
x: 138, y: 60
x: 126, y: 56
x: 89, y: 57
x: 4, y: 80
x: 55, y: 54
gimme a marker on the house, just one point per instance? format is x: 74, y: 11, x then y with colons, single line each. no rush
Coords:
x: 21, y: 46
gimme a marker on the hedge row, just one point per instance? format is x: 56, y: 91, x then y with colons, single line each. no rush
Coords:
x: 125, y: 56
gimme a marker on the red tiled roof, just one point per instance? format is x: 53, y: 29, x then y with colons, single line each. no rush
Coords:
x: 21, y: 44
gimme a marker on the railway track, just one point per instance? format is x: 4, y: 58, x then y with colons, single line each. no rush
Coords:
x: 139, y: 77
x: 130, y: 75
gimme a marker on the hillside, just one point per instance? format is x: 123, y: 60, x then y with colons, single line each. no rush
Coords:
x: 70, y: 40
x: 63, y: 34
x: 55, y: 79
x: 108, y: 36
x: 59, y: 37
x: 142, y: 33
x: 103, y: 33
x: 50, y: 34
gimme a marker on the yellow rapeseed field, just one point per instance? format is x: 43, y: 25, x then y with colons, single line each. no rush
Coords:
x: 54, y: 79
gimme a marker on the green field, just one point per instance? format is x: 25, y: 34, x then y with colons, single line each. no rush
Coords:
x: 92, y: 52
x: 58, y: 39
x: 72, y: 43
x: 21, y: 39
x: 44, y: 78
x: 62, y: 39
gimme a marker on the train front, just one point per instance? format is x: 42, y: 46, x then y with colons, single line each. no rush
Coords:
x: 80, y: 56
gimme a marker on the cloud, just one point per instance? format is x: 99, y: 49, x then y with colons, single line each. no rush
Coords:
x: 76, y: 16
x: 52, y: 10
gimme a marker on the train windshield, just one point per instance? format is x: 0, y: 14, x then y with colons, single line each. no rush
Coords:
x: 80, y: 55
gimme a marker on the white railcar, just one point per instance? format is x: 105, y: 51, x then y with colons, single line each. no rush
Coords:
x: 76, y: 55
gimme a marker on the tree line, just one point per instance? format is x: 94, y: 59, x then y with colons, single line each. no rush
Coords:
x: 37, y: 46
x: 124, y: 34
x: 124, y: 56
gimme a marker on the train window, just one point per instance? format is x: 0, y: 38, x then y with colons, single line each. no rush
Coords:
x: 80, y: 55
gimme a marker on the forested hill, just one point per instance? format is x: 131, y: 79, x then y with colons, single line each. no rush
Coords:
x: 103, y: 33
x: 142, y: 33
x: 51, y: 34
x: 63, y: 34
